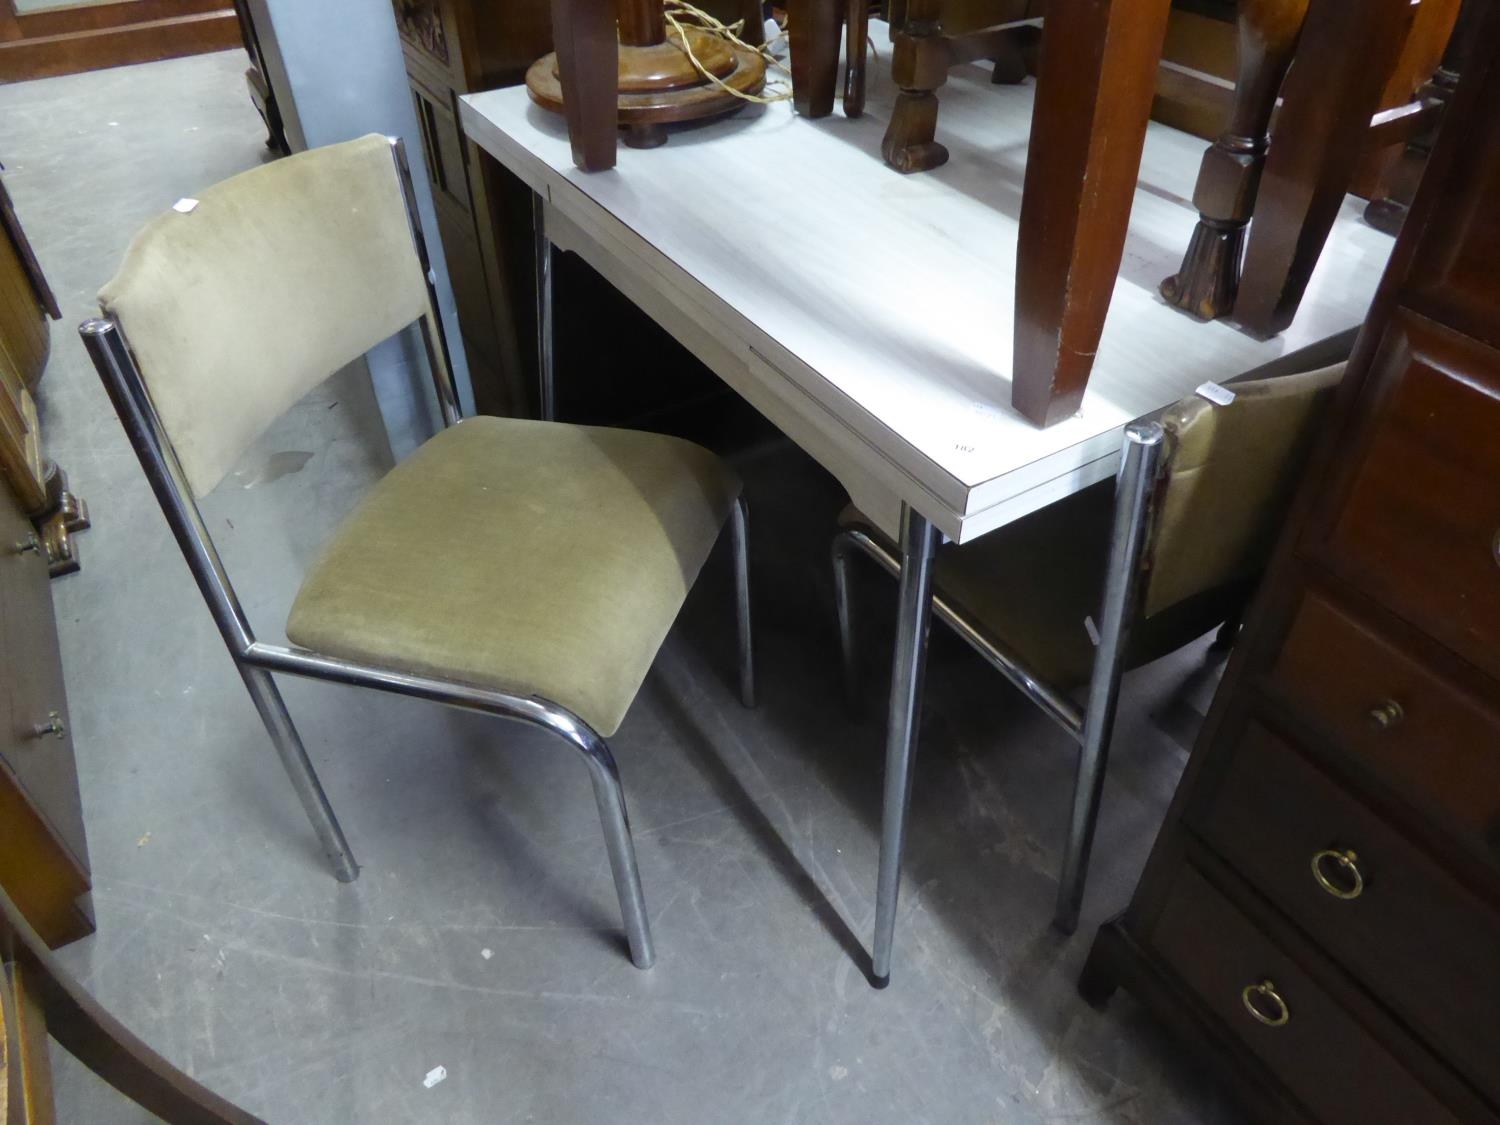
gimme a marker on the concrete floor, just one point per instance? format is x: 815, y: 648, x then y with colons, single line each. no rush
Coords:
x: 482, y: 934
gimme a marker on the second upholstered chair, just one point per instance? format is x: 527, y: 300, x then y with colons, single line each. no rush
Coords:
x: 1070, y: 597
x: 528, y: 570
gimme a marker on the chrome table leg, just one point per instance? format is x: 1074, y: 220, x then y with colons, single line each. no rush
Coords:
x: 1138, y: 471
x: 918, y: 544
x: 842, y: 546
x: 739, y: 529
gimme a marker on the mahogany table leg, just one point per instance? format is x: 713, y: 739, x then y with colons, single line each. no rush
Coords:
x: 856, y: 55
x: 1343, y: 59
x: 1095, y: 81
x: 583, y: 32
x: 1225, y: 195
x: 919, y: 65
x: 813, y: 41
x: 1010, y: 62
x: 754, y: 15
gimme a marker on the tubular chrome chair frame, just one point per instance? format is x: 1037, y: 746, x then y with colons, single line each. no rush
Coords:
x: 256, y: 660
x: 1140, y: 466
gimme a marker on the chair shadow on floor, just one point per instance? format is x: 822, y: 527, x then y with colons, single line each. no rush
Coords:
x: 493, y: 751
x: 687, y: 732
x: 993, y: 780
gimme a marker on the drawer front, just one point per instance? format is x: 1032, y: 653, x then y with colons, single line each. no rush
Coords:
x: 1384, y: 910
x: 1419, y: 525
x: 1435, y: 746
x: 1325, y: 1058
x: 31, y: 686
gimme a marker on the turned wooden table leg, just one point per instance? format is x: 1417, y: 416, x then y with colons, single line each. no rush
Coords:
x: 1095, y: 82
x: 1225, y: 195
x: 1343, y: 58
x: 813, y: 41
x: 583, y: 32
x: 919, y: 66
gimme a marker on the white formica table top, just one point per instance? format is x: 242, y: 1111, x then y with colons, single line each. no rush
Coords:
x: 869, y: 314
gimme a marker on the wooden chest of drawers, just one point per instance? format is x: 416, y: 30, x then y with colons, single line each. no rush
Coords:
x: 44, y: 863
x: 1321, y: 913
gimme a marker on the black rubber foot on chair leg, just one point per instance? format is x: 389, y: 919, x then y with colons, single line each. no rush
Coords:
x: 880, y: 982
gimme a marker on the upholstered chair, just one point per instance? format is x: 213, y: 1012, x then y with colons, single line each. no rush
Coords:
x: 525, y: 569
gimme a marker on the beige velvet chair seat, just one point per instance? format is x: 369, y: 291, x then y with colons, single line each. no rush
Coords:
x: 531, y: 557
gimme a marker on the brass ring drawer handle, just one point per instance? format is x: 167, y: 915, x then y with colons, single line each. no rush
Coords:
x: 1338, y: 873
x: 1386, y: 714
x: 1264, y: 1003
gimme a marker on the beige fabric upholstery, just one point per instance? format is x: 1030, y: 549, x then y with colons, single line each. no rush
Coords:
x: 1231, y: 472
x: 279, y: 277
x: 533, y: 557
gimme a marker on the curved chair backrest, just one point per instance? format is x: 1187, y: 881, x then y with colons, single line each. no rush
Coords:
x: 277, y: 278
x: 1230, y: 475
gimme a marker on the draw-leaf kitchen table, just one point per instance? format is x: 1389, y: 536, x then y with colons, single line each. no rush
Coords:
x: 868, y: 315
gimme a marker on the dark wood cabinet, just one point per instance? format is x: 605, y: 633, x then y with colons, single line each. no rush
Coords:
x: 455, y: 47
x: 44, y: 864
x: 43, y: 858
x: 1321, y: 913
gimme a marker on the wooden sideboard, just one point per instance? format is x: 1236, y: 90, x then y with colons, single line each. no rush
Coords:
x: 43, y: 858
x: 453, y: 47
x: 44, y: 863
x: 1320, y: 916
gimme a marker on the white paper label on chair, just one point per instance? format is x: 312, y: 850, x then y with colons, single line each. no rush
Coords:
x: 1219, y: 396
x: 1092, y: 630
x: 184, y: 205
x: 434, y: 1076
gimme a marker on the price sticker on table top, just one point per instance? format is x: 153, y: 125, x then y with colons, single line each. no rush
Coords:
x: 1216, y: 394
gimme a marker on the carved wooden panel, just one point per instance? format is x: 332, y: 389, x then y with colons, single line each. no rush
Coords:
x: 421, y: 24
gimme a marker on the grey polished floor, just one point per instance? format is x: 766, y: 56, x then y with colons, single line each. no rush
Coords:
x: 482, y: 934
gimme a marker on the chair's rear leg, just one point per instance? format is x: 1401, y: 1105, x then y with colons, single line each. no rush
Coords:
x: 739, y: 529
x: 288, y: 743
x: 610, y: 798
x: 845, y: 609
